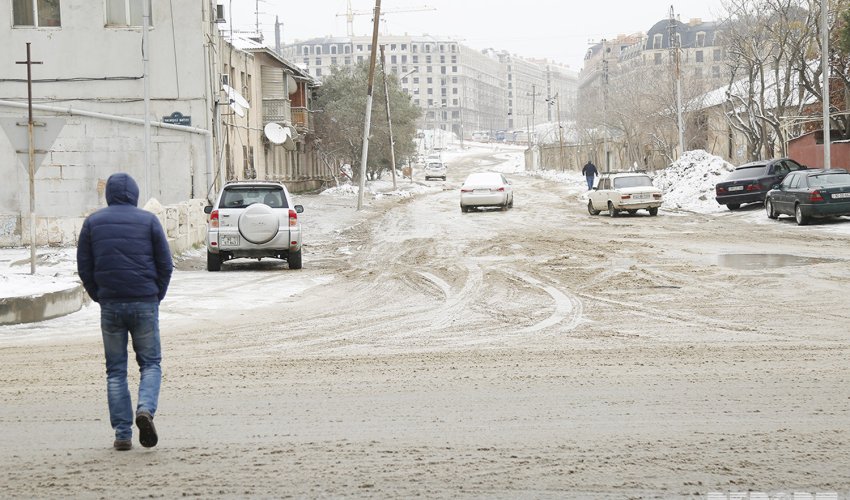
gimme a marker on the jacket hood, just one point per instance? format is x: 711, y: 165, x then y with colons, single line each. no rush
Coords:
x: 121, y: 189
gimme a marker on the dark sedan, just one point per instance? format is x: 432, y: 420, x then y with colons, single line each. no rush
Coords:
x: 750, y: 182
x: 810, y: 193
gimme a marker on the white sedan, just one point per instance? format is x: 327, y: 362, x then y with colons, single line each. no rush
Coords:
x: 486, y: 189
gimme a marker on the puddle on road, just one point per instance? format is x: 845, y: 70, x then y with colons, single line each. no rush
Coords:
x: 770, y: 260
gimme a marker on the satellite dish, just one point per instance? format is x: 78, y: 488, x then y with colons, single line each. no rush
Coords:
x: 291, y: 84
x: 235, y: 97
x: 276, y: 133
x: 237, y: 109
x: 291, y: 134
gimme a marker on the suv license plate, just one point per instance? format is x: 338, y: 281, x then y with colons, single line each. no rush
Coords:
x: 736, y: 188
x: 229, y: 241
x: 841, y: 195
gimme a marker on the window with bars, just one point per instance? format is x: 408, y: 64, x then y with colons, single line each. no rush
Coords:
x: 37, y: 13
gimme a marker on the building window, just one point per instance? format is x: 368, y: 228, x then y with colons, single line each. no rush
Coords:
x: 318, y: 61
x: 701, y: 39
x: 36, y: 13
x: 346, y: 49
x: 454, y: 69
x: 415, y: 79
x: 393, y: 59
x: 717, y: 54
x: 430, y: 91
x: 699, y: 57
x: 333, y: 61
x: 125, y: 13
x: 404, y: 46
x: 318, y: 72
x: 415, y: 59
x: 657, y: 58
x: 430, y: 80
x: 347, y: 61
x: 429, y: 69
x: 657, y: 40
x: 305, y: 51
x: 318, y: 50
x: 715, y: 71
x: 333, y: 49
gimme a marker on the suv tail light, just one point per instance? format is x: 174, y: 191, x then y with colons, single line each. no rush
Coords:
x: 293, y: 218
x: 214, y: 219
x: 815, y: 196
x: 752, y: 187
x: 720, y: 189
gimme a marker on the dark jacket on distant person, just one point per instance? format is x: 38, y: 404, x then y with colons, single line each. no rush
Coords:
x: 123, y: 253
x: 589, y: 170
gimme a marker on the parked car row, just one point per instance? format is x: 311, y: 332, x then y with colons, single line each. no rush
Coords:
x: 786, y: 187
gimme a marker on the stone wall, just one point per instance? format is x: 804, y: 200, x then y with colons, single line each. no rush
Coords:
x: 184, y: 223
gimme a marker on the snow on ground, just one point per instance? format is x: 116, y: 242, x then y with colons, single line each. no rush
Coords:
x: 688, y: 186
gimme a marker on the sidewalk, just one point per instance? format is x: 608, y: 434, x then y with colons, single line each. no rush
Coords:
x: 53, y: 291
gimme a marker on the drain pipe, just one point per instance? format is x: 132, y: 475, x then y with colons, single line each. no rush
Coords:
x: 208, y: 140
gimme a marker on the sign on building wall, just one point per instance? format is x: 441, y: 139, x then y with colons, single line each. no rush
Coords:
x: 177, y: 118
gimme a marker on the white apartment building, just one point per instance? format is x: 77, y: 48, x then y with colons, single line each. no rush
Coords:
x: 458, y: 88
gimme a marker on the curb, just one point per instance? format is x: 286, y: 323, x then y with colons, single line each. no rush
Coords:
x: 34, y: 308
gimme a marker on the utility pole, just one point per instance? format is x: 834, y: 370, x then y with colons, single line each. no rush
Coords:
x: 389, y: 119
x: 824, y: 62
x: 368, y: 122
x: 560, y: 130
x: 146, y: 23
x: 675, y: 55
x: 30, y: 124
x: 605, y: 104
x: 533, y: 95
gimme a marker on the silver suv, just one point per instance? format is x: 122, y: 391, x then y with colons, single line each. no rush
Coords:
x: 253, y: 219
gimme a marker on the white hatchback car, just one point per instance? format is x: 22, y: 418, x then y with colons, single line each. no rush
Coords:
x: 486, y: 189
x: 624, y: 192
x: 253, y: 219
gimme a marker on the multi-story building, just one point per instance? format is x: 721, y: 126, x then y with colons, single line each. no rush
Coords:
x: 458, y: 88
x: 280, y: 94
x: 102, y: 105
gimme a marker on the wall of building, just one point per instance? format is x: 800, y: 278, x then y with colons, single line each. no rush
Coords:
x: 93, y: 68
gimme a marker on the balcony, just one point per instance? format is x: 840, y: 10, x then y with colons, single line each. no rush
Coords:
x: 277, y: 110
x: 281, y: 111
x: 301, y: 119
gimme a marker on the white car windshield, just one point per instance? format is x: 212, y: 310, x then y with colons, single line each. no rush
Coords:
x: 632, y: 181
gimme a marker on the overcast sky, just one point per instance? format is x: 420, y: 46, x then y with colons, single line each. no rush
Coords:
x: 560, y: 30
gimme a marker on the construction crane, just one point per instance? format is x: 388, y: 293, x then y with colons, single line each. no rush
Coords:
x: 350, y: 13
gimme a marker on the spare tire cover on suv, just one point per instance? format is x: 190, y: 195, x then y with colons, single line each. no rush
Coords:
x: 258, y: 224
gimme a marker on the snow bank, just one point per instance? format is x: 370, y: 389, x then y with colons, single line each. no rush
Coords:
x: 688, y: 183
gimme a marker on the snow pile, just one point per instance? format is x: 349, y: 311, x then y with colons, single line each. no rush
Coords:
x: 688, y: 183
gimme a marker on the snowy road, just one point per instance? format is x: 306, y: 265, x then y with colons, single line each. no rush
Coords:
x: 539, y: 352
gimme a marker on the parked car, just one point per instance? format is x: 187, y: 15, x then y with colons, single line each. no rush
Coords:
x: 435, y: 170
x: 750, y: 182
x: 810, y: 193
x: 486, y: 189
x: 253, y: 219
x: 624, y: 192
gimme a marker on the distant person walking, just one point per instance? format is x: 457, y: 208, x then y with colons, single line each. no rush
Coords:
x: 124, y: 262
x: 589, y: 171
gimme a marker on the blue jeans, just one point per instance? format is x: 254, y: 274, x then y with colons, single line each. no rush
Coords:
x: 141, y: 321
x: 589, y: 182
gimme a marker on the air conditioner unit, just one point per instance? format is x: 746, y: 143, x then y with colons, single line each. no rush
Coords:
x: 225, y: 79
x: 219, y: 14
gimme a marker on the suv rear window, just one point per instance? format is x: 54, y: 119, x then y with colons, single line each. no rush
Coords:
x: 242, y: 196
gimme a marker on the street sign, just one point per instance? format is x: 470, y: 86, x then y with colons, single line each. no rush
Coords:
x: 177, y: 118
x: 46, y: 130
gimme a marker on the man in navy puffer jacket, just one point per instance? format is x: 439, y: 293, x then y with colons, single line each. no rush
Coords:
x: 124, y: 262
